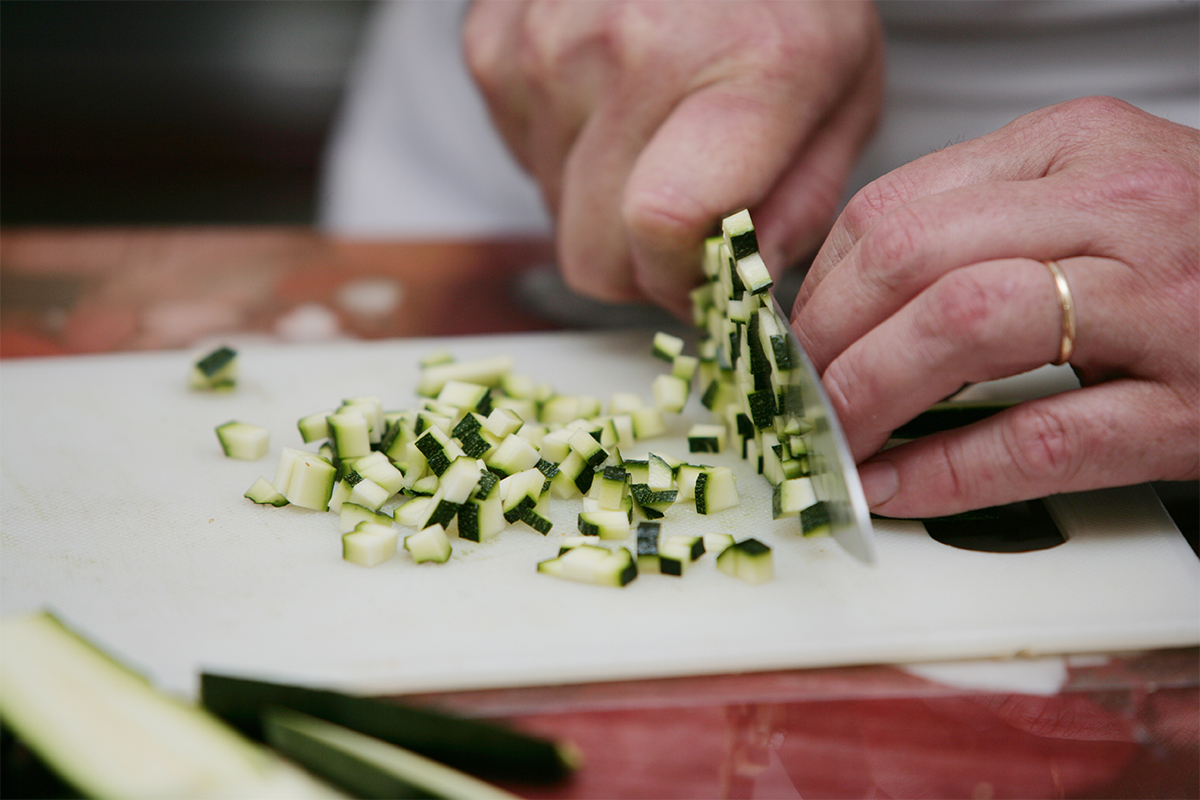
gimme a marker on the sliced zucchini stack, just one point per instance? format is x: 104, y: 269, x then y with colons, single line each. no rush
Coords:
x: 746, y: 369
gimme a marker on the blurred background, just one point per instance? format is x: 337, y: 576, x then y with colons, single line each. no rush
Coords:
x: 155, y: 112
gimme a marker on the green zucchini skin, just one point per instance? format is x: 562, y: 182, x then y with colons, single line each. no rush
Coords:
x: 365, y: 766
x: 479, y: 748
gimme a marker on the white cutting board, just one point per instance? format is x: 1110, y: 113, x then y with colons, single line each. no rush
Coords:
x: 121, y: 513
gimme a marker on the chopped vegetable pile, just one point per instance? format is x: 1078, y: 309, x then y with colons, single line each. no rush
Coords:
x: 487, y: 448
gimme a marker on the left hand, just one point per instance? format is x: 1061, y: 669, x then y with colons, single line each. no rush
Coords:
x: 933, y: 277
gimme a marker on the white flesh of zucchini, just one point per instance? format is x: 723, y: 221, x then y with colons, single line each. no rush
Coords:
x: 263, y: 493
x: 749, y: 560
x: 414, y: 775
x: 243, y: 441
x: 109, y: 733
x: 369, y: 544
x: 431, y: 544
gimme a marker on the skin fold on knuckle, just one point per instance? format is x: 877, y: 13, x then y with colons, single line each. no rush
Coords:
x: 1043, y: 447
x: 892, y: 253
x: 960, y: 321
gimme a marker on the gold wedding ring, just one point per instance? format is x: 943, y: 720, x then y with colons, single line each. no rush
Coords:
x: 1066, y: 302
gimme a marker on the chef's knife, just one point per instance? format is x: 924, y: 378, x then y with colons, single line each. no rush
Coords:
x: 834, y: 474
x: 801, y: 399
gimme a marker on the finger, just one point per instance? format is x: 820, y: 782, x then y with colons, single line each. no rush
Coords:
x: 916, y: 244
x: 489, y: 37
x: 721, y: 149
x: 593, y: 245
x: 1114, y: 434
x: 537, y: 95
x: 1013, y: 153
x: 795, y: 216
x: 974, y: 324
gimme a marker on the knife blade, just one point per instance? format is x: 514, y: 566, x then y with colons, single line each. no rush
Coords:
x: 802, y: 405
x: 834, y: 475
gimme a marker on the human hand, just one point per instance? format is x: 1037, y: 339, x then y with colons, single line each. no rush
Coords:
x: 933, y: 277
x: 645, y: 122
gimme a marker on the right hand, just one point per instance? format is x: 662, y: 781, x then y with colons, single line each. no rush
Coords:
x: 645, y: 122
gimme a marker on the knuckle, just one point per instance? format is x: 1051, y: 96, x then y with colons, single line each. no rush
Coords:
x: 1154, y: 182
x: 1085, y: 118
x: 649, y: 217
x: 892, y: 249
x: 1039, y: 443
x: 872, y: 202
x: 960, y: 308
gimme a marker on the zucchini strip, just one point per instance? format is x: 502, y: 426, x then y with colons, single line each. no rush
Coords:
x: 366, y: 766
x: 477, y: 747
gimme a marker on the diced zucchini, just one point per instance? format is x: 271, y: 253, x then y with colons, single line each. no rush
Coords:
x: 216, y: 371
x: 588, y: 447
x: 625, y: 403
x: 439, y: 449
x: 574, y: 477
x: 429, y: 545
x: 748, y: 560
x: 716, y: 490
x: 440, y: 512
x: 369, y: 544
x: 514, y: 455
x: 653, y: 503
x: 371, y: 407
x: 349, y: 433
x: 314, y: 427
x: 609, y: 487
x: 305, y: 479
x: 242, y: 440
x: 481, y: 519
x: 592, y: 564
x: 666, y: 346
x: 263, y: 493
x: 676, y: 553
x: 368, y: 493
x: 604, y: 524
x: 413, y: 513
x: 353, y: 514
x: 706, y: 438
x: 485, y: 371
x: 815, y: 519
x: 520, y: 492
x: 792, y: 496
x: 739, y: 236
x: 461, y: 479
x: 684, y: 367
x: 670, y: 392
x: 503, y: 422
x: 647, y: 547
x: 648, y: 422
x: 660, y: 476
x: 691, y: 546
x: 717, y: 542
x: 376, y: 467
x: 464, y: 395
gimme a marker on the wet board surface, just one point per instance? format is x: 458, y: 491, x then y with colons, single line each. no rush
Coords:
x: 121, y: 514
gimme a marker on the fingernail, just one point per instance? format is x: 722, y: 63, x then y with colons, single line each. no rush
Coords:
x: 880, y: 481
